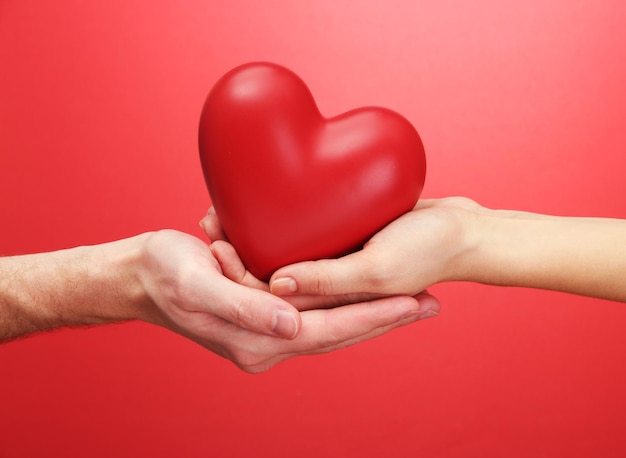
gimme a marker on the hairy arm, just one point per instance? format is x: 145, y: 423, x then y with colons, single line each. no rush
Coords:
x: 74, y: 287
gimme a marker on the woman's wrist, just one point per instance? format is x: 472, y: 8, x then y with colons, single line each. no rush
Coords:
x: 464, y: 238
x: 584, y: 256
x: 497, y: 249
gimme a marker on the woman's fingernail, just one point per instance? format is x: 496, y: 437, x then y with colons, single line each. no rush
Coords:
x: 285, y: 324
x: 283, y: 286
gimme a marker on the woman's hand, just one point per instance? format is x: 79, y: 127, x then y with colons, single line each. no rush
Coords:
x: 419, y: 249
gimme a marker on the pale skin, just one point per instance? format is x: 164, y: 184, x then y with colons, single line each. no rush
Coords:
x: 202, y: 292
x: 456, y: 239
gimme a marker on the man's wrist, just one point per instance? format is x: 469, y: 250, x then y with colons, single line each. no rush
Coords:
x: 120, y: 271
x: 80, y: 286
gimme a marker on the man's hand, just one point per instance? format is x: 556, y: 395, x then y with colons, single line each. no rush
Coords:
x: 212, y: 299
x: 183, y: 280
x: 176, y: 281
x: 322, y: 330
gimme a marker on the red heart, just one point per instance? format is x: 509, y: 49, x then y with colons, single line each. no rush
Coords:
x: 290, y: 185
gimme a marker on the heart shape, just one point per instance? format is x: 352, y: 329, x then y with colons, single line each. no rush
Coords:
x: 289, y: 185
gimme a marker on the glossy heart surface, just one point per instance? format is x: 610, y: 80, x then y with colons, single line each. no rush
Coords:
x: 290, y: 185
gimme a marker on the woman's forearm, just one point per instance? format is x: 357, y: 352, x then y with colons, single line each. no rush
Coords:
x: 585, y: 256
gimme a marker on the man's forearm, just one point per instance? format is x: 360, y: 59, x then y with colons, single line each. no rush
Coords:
x: 74, y: 287
x: 584, y: 256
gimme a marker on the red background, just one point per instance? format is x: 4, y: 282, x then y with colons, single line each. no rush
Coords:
x: 519, y: 104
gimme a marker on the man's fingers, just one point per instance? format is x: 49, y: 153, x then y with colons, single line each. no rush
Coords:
x: 255, y: 310
x: 210, y: 224
x: 232, y: 266
x: 326, y: 330
x: 429, y: 305
x: 310, y: 302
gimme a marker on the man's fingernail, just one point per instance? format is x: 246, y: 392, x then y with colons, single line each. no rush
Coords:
x: 420, y: 314
x: 285, y: 324
x: 427, y: 314
x: 284, y: 285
